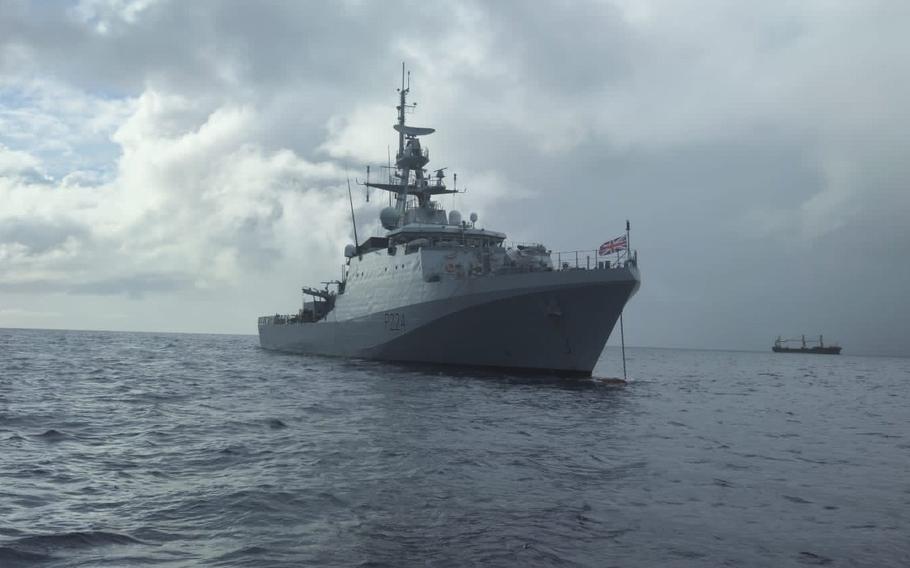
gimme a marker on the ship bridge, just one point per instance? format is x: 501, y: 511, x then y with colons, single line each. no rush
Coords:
x: 431, y: 235
x: 455, y: 234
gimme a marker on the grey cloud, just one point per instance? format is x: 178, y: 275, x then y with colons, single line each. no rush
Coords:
x: 252, y: 241
x: 40, y: 235
x: 575, y: 48
x: 135, y: 286
x: 201, y: 45
x: 286, y: 58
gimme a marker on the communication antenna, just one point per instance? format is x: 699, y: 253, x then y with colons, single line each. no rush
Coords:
x: 353, y: 220
x: 368, y: 183
x: 454, y: 188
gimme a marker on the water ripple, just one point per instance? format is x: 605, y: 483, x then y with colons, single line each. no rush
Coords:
x: 181, y: 450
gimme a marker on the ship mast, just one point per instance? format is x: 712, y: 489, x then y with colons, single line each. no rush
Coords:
x: 411, y: 157
x: 401, y: 106
x: 404, y: 172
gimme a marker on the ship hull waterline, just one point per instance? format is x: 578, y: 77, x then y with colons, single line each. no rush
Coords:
x: 559, y: 324
x: 808, y: 350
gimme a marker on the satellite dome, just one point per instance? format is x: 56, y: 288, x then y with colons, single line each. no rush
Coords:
x: 454, y: 217
x: 389, y: 218
x: 473, y: 217
x: 350, y: 251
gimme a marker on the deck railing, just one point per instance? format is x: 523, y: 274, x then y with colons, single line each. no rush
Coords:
x: 590, y: 260
x: 284, y: 319
x: 584, y: 259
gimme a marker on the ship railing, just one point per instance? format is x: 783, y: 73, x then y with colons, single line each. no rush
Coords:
x: 591, y: 260
x: 280, y: 319
x: 582, y: 259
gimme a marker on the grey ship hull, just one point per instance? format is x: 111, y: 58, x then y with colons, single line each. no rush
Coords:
x: 555, y: 322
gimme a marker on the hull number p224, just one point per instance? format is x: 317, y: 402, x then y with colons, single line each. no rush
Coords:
x: 394, y: 321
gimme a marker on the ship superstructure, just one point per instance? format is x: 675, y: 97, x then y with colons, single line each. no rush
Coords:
x: 437, y: 289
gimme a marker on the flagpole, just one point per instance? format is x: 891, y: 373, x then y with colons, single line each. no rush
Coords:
x: 628, y: 245
x: 622, y: 331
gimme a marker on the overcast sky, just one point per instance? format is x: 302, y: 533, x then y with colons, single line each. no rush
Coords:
x: 180, y: 166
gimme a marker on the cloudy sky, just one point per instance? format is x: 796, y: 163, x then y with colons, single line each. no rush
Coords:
x: 179, y: 166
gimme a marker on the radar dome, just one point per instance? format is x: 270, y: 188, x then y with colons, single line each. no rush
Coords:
x: 389, y: 218
x: 349, y: 251
x: 473, y: 217
x: 454, y: 217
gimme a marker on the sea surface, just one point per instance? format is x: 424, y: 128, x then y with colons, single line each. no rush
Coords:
x: 131, y: 449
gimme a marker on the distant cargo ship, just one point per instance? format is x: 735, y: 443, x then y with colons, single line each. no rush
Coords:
x: 782, y: 346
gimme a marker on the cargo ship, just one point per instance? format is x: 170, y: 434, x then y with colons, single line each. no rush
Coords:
x: 783, y: 346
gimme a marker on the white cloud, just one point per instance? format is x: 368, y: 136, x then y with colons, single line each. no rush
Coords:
x: 104, y: 15
x: 354, y: 136
x: 67, y: 129
x: 16, y: 162
x: 197, y: 202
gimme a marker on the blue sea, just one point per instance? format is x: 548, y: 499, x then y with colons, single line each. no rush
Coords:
x: 149, y: 449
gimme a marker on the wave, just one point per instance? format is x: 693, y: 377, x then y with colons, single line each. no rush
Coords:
x: 77, y: 539
x: 13, y: 558
x: 241, y: 554
x: 52, y: 435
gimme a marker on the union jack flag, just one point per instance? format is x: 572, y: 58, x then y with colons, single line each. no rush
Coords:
x: 613, y: 245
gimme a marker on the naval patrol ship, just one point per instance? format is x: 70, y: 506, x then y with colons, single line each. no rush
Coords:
x: 437, y: 289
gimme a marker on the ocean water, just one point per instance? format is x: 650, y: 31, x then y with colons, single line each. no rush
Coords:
x: 127, y: 449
